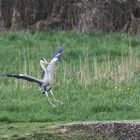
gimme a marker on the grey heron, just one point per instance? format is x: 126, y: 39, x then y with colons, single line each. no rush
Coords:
x: 45, y: 82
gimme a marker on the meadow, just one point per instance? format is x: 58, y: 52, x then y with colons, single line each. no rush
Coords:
x: 97, y: 77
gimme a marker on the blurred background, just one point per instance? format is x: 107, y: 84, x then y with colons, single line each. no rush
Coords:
x: 78, y: 15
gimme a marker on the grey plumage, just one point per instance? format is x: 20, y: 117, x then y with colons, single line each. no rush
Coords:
x: 58, y: 52
x: 45, y: 82
x: 24, y: 77
x: 56, y: 55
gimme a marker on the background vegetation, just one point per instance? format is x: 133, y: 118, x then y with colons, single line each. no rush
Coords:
x: 77, y: 15
x: 97, y: 77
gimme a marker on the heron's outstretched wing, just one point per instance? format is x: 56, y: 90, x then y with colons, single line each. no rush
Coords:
x: 24, y: 77
x: 58, y: 52
x: 54, y: 58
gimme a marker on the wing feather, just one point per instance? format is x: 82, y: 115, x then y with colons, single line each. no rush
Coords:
x: 54, y: 58
x: 24, y: 77
x: 58, y: 52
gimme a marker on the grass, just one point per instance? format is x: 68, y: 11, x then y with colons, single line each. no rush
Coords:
x: 97, y: 76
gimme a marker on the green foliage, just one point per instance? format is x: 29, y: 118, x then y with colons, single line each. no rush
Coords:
x: 97, y: 77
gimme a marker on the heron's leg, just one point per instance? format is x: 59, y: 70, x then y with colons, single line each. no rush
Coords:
x: 54, y: 97
x: 49, y: 99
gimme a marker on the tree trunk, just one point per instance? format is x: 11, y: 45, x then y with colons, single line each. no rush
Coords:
x: 79, y: 15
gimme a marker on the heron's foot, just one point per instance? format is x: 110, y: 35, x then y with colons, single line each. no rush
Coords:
x: 49, y: 100
x: 53, y: 105
x: 57, y: 101
x: 61, y: 103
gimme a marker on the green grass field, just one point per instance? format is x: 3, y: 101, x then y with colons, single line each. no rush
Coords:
x: 97, y: 76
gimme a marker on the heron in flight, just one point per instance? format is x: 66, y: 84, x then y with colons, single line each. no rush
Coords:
x: 45, y: 82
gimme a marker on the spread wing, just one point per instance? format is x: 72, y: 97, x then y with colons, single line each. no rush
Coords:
x: 54, y: 58
x: 58, y: 52
x: 23, y: 76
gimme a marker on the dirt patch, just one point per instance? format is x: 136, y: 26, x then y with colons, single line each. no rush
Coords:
x: 116, y: 129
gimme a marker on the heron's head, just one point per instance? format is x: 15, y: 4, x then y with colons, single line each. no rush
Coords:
x: 44, y: 61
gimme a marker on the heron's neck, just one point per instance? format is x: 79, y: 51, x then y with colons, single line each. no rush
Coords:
x: 43, y: 66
